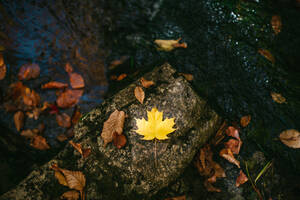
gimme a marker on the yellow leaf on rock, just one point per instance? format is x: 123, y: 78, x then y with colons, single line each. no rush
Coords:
x: 155, y: 127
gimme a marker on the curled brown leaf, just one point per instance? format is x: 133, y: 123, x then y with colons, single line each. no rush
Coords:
x: 145, y: 83
x: 139, y: 94
x: 228, y: 155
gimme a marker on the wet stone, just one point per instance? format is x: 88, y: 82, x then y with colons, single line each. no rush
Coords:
x: 133, y: 171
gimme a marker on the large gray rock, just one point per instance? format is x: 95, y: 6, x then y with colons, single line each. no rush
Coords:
x: 133, y: 171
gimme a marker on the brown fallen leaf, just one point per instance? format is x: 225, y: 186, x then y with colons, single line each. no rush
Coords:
x: 219, y: 135
x: 177, y: 198
x: 169, y: 45
x: 245, y: 120
x: 241, y: 179
x: 35, y: 113
x: 76, y: 115
x: 145, y: 83
x: 188, y: 77
x: 76, y: 80
x: 228, y: 155
x: 61, y: 137
x: 68, y: 98
x: 68, y: 68
x: 234, y: 145
x: 267, y: 54
x: 76, y: 146
x: 116, y: 63
x: 139, y: 94
x: 121, y: 77
x: 19, y: 120
x: 278, y: 98
x: 31, y: 98
x: 54, y: 85
x: 290, y: 138
x: 63, y: 120
x: 276, y: 24
x: 2, y: 67
x: 29, y: 71
x: 119, y: 140
x: 114, y: 123
x: 210, y: 187
x: 233, y: 132
x: 1, y: 59
x: 39, y: 142
x: 70, y: 195
x: 29, y: 134
x: 61, y: 178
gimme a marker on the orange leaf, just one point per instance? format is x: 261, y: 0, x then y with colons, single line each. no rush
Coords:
x: 121, y: 77
x: 54, y: 85
x: 245, y: 120
x: 234, y: 145
x: 76, y: 80
x: 31, y: 98
x: 2, y: 67
x: 114, y: 123
x: 61, y: 178
x: 241, y: 179
x: 39, y: 142
x: 63, y: 120
x: 19, y: 120
x: 76, y: 146
x: 69, y: 98
x: 291, y: 138
x: 278, y: 98
x: 267, y: 54
x: 228, y: 155
x: 75, y: 179
x: 29, y: 134
x: 29, y: 71
x: 34, y: 114
x: 115, y: 63
x: 70, y: 195
x: 177, y: 198
x: 1, y: 59
x: 119, y: 140
x: 188, y: 77
x: 68, y: 68
x: 139, y: 94
x: 233, y: 132
x: 145, y: 83
x: 276, y: 24
x: 76, y: 115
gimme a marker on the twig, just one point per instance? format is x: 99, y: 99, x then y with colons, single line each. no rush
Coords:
x: 253, y: 184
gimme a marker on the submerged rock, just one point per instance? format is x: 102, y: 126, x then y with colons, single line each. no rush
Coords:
x: 141, y: 168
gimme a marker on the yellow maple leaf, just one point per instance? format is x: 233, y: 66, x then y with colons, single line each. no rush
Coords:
x: 155, y: 127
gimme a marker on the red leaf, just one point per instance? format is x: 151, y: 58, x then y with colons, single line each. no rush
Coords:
x: 76, y: 80
x: 54, y: 85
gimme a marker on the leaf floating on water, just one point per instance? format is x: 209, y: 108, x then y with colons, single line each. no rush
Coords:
x: 278, y: 98
x: 29, y: 134
x: 76, y: 81
x: 155, y: 127
x: 177, y: 198
x: 188, y: 77
x: 139, y: 94
x: 76, y: 115
x: 245, y: 120
x: 276, y: 24
x: 267, y: 54
x: 121, y: 77
x: 19, y: 120
x: 169, y: 45
x: 63, y: 120
x: 228, y: 155
x: 145, y: 83
x: 2, y: 67
x: 69, y: 98
x: 31, y: 98
x: 54, y: 85
x: 61, y: 137
x: 114, y: 123
x: 70, y: 195
x: 1, y: 59
x: 68, y: 68
x: 290, y: 138
x: 39, y: 142
x: 29, y: 71
x: 116, y: 63
x: 241, y: 179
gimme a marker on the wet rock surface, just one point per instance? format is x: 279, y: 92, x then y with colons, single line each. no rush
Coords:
x: 131, y: 171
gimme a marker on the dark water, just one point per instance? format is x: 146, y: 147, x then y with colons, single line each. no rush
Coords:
x: 223, y: 39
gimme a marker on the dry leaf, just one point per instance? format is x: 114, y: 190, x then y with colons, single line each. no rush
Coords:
x: 76, y: 146
x: 116, y: 63
x: 234, y: 145
x: 169, y: 45
x: 29, y: 134
x: 2, y: 67
x: 245, y: 120
x: 70, y: 195
x: 210, y: 187
x: 177, y: 198
x: 1, y: 59
x: 155, y: 127
x: 121, y: 77
x: 29, y: 71
x: 228, y: 155
x: 63, y: 120
x: 54, y: 85
x: 119, y: 140
x: 291, y: 138
x: 188, y: 77
x: 75, y: 179
x: 233, y: 132
x: 145, y: 83
x: 76, y: 115
x: 267, y: 54
x: 61, y: 178
x: 76, y: 81
x: 31, y: 98
x: 139, y: 94
x: 39, y: 142
x: 241, y: 179
x: 61, y: 137
x: 278, y: 98
x: 276, y: 24
x: 68, y: 68
x: 69, y: 98
x: 114, y: 123
x: 19, y: 120
x: 34, y: 114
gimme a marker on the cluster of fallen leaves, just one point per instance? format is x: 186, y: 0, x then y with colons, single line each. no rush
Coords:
x: 26, y: 102
x: 209, y: 168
